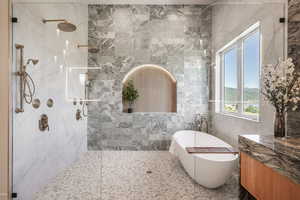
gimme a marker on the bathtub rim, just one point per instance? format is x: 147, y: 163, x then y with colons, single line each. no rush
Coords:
x: 204, y: 156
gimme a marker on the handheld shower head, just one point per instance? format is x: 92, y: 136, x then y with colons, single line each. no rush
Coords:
x: 33, y: 61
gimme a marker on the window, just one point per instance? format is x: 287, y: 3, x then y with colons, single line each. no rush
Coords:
x: 230, y: 80
x: 239, y: 71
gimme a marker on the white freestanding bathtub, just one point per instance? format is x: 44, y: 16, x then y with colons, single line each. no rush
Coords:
x: 209, y: 170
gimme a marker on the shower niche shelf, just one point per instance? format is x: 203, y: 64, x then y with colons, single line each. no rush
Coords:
x: 156, y: 89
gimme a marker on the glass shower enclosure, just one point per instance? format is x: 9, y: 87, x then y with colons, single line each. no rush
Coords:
x: 72, y: 137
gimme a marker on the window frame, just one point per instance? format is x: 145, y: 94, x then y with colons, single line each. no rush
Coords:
x: 238, y: 43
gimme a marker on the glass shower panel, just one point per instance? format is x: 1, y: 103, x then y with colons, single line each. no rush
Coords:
x: 47, y: 134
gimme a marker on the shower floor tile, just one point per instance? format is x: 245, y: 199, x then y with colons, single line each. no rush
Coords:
x: 131, y: 175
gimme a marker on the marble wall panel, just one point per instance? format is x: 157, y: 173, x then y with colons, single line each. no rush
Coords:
x: 164, y: 35
x: 230, y: 20
x: 293, y: 119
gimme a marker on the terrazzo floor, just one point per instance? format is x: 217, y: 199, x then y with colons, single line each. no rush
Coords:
x: 122, y: 175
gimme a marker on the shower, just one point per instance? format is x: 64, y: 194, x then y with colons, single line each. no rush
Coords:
x: 63, y: 24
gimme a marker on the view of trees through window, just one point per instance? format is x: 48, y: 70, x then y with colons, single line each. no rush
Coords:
x: 230, y: 80
x: 241, y: 65
x: 251, y: 74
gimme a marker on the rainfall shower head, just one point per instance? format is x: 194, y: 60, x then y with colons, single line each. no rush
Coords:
x: 33, y: 61
x: 91, y: 49
x: 64, y: 25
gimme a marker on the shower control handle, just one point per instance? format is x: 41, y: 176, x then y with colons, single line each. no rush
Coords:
x: 43, y: 123
x: 19, y: 110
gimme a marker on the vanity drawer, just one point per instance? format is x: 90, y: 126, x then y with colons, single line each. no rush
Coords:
x: 264, y: 183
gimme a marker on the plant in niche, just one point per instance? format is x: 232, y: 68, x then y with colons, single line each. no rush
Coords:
x: 130, y: 94
x: 282, y: 90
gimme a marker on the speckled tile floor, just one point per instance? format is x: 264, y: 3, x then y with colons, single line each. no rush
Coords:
x: 122, y: 175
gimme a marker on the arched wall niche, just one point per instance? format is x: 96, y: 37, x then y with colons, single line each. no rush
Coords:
x: 156, y: 87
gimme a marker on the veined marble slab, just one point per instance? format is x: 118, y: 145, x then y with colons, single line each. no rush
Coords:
x: 280, y: 154
x: 129, y: 36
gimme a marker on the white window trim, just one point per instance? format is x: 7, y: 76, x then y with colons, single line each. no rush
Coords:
x: 219, y: 81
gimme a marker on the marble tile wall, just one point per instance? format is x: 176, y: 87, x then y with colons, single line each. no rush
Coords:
x: 228, y: 21
x: 293, y: 119
x: 174, y: 37
x: 40, y: 156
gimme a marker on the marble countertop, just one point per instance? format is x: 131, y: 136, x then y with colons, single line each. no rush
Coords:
x: 280, y: 154
x: 289, y: 145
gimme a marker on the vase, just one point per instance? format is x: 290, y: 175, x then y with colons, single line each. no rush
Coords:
x: 279, y: 124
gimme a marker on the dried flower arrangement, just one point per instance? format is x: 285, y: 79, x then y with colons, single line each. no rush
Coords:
x: 282, y: 90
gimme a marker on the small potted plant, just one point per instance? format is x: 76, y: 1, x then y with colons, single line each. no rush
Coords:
x: 130, y: 94
x: 282, y: 90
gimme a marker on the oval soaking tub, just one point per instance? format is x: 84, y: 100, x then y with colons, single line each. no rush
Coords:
x: 209, y: 170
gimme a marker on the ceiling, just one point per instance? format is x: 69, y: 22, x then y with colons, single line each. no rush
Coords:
x: 154, y: 2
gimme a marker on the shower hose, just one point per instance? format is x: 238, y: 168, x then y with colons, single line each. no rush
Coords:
x: 84, y: 109
x: 29, y: 88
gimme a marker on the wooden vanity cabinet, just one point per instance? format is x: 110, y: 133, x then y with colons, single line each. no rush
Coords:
x: 264, y: 183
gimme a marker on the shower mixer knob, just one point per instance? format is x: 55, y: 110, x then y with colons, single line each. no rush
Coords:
x: 19, y: 110
x: 43, y: 123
